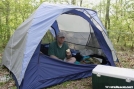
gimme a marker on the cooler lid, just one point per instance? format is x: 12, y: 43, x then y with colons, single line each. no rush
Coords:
x: 117, y: 72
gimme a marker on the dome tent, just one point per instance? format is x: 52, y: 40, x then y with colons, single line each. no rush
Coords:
x: 33, y: 70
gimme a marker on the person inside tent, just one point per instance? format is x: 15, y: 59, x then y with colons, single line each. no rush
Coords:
x: 60, y: 50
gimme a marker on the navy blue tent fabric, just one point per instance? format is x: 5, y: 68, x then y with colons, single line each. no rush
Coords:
x: 55, y: 27
x: 44, y: 71
x: 98, y: 35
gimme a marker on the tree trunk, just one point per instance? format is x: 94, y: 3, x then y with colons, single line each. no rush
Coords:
x: 16, y: 12
x: 73, y: 2
x: 107, y: 19
x: 101, y: 10
x: 81, y: 2
x: 7, y: 19
x: 1, y: 25
x: 7, y: 11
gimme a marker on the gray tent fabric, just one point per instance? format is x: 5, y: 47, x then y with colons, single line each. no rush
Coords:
x: 14, y: 51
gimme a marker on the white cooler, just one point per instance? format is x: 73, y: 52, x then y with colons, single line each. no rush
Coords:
x: 109, y: 77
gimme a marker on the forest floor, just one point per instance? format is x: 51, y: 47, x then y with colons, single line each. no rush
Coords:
x: 126, y: 59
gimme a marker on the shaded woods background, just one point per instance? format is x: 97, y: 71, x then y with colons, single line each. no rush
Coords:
x: 116, y: 15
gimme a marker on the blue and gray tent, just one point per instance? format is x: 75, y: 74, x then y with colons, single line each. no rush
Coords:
x: 84, y: 31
